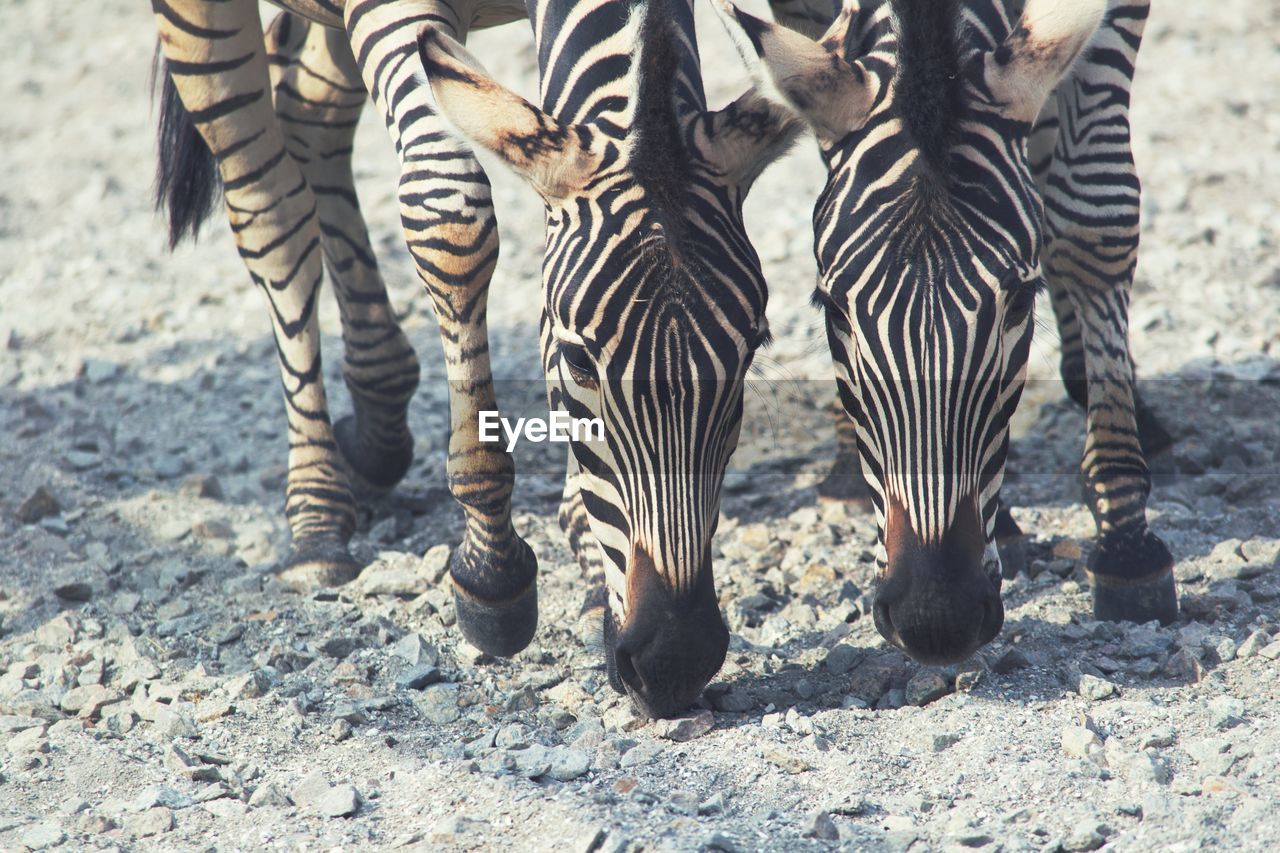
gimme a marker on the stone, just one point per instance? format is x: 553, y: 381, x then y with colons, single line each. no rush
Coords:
x: 926, y: 686
x: 340, y: 730
x: 1270, y: 651
x: 309, y: 788
x: 1080, y: 742
x: 251, y: 685
x: 268, y: 794
x: 1138, y: 767
x: 32, y: 740
x: 523, y: 699
x: 1225, y: 712
x: 1183, y: 664
x: 819, y: 825
x: 74, y: 591
x: 568, y: 763
x: 685, y: 728
x: 86, y: 701
x: 201, y: 486
x: 788, y: 762
x: 723, y: 842
x: 394, y: 574
x: 416, y: 651
x: 172, y: 721
x: 341, y: 647
x: 1253, y: 644
x: 1011, y: 661
x: 842, y: 658
x: 438, y: 703
x: 435, y: 563
x: 339, y: 801
x: 1096, y: 689
x: 418, y: 677
x: 42, y: 836
x: 153, y: 821
x: 1159, y: 737
x: 38, y: 505
x: 1085, y: 836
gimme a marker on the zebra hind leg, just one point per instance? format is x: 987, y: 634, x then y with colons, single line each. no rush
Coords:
x: 318, y: 98
x: 1090, y: 254
x: 449, y: 224
x: 215, y: 57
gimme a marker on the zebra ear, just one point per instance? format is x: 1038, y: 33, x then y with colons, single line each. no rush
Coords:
x: 742, y: 139
x: 1021, y: 73
x: 809, y: 77
x: 556, y: 158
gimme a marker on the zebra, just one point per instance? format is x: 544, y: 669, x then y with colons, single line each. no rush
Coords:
x: 971, y: 159
x: 653, y: 297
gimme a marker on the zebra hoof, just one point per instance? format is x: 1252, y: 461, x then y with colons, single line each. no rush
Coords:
x: 373, y: 470
x: 1134, y: 583
x: 499, y: 626
x: 1011, y: 543
x: 844, y: 483
x: 317, y: 563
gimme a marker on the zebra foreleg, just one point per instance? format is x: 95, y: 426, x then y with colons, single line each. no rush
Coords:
x: 216, y: 60
x: 1090, y: 254
x: 844, y: 482
x: 318, y: 97
x: 452, y: 235
x: 576, y: 525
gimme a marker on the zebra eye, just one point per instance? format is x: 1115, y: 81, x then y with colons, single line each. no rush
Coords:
x: 578, y: 361
x: 1020, y: 300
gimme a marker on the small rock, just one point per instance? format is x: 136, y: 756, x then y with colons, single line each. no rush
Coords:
x: 310, y: 788
x: 568, y: 764
x: 42, y: 836
x: 435, y: 563
x: 39, y: 504
x: 74, y: 591
x: 268, y: 794
x: 821, y: 826
x: 1253, y: 644
x: 1271, y: 651
x: 339, y: 801
x: 416, y: 651
x: 723, y: 842
x: 792, y: 764
x: 1095, y: 689
x: 418, y: 677
x: 202, y: 486
x: 174, y: 722
x: 32, y: 740
x: 393, y: 574
x: 1086, y: 836
x: 842, y: 658
x: 341, y: 647
x: 251, y: 685
x: 1225, y: 712
x: 1183, y: 664
x: 1011, y: 661
x: 1159, y: 737
x: 153, y: 821
x: 523, y: 699
x: 926, y: 686
x: 1080, y: 742
x: 340, y: 731
x: 685, y: 728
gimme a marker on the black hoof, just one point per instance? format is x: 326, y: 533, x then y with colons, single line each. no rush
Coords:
x: 318, y: 562
x: 1134, y: 583
x: 499, y: 626
x: 845, y: 483
x: 374, y: 470
x: 1011, y: 543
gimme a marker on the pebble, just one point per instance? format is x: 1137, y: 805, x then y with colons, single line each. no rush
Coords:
x: 640, y: 755
x: 788, y: 762
x: 42, y: 836
x: 819, y: 825
x: 38, y: 505
x: 438, y: 703
x: 1011, y: 661
x: 685, y: 728
x: 1225, y: 712
x: 393, y: 574
x: 251, y: 685
x: 339, y: 801
x: 723, y: 842
x: 1159, y: 737
x: 926, y: 686
x: 568, y: 763
x: 842, y: 658
x: 1096, y: 689
x: 153, y: 821
x: 174, y: 722
x: 1271, y: 651
x: 1089, y: 835
x: 418, y: 677
x: 1080, y: 742
x: 32, y: 740
x: 416, y: 651
x: 268, y: 794
x: 1183, y: 664
x: 1253, y: 644
x: 523, y: 699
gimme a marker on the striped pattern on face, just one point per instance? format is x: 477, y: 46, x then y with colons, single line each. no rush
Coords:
x: 654, y: 297
x: 928, y: 236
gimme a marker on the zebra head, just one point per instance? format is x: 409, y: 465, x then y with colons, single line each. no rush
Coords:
x: 654, y: 304
x: 928, y: 236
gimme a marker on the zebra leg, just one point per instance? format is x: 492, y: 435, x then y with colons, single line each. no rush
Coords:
x: 318, y: 97
x: 844, y: 482
x: 451, y: 230
x: 216, y: 59
x: 1091, y: 252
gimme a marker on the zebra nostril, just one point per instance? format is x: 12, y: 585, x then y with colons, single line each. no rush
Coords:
x: 627, y: 671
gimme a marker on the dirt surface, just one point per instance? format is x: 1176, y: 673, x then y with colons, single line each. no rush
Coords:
x: 159, y: 690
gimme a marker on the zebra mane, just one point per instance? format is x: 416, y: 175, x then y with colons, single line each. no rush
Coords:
x: 928, y: 90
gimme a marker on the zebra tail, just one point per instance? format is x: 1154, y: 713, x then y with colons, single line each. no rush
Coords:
x: 187, y: 181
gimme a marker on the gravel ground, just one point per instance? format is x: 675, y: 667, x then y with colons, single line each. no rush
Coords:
x: 159, y: 690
